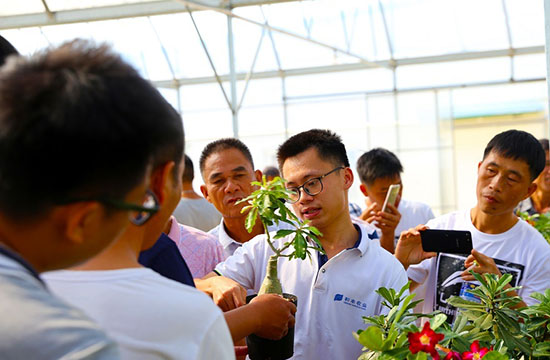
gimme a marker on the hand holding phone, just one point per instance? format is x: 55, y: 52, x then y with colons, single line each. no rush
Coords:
x: 391, y: 196
x: 446, y: 241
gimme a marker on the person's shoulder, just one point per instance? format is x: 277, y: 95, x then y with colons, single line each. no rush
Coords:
x: 455, y: 220
x: 197, y: 233
x: 532, y: 236
x: 35, y: 319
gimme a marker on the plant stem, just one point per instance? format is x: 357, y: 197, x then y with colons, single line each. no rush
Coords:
x: 271, y: 283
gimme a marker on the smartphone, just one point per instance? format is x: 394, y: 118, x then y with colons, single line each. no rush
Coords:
x: 446, y: 241
x: 391, y: 196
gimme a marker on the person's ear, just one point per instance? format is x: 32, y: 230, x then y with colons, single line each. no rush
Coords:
x: 348, y: 178
x: 79, y: 219
x: 162, y: 181
x: 530, y: 190
x: 363, y: 189
x: 204, y: 191
x: 258, y: 174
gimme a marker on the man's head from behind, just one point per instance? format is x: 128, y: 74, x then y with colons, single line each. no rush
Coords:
x: 378, y: 169
x: 316, y: 166
x: 227, y: 170
x: 511, y: 161
x: 79, y: 129
x: 189, y: 172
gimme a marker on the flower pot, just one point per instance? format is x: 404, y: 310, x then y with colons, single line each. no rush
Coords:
x: 264, y: 349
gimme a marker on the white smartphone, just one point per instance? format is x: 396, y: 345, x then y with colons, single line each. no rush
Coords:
x: 391, y: 196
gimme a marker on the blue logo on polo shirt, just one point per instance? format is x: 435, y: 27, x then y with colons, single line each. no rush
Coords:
x: 351, y: 302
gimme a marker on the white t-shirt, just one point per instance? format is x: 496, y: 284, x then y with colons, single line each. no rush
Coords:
x: 332, y: 298
x: 197, y: 213
x: 520, y: 251
x: 151, y: 317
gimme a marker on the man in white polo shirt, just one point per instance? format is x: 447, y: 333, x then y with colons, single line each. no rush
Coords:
x: 335, y: 289
x: 227, y: 170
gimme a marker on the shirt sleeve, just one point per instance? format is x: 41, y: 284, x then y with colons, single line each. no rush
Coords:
x: 217, y: 344
x: 538, y: 278
x: 419, y: 272
x: 245, y: 263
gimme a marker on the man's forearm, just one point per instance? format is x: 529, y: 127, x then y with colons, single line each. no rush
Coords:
x: 387, y: 242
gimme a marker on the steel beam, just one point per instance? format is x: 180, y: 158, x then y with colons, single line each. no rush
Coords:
x: 360, y: 66
x: 101, y: 13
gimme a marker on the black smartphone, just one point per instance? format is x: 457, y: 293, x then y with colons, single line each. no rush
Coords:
x: 446, y: 241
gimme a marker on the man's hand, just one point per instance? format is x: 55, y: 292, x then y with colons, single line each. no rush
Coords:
x: 409, y: 247
x: 275, y: 315
x: 479, y: 263
x: 388, y: 220
x: 226, y: 293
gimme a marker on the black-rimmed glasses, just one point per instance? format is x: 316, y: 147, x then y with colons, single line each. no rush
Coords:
x: 311, y: 187
x: 139, y: 215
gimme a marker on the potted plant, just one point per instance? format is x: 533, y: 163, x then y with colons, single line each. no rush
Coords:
x: 491, y: 329
x: 267, y: 204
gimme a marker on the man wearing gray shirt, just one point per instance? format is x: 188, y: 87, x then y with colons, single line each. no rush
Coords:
x: 78, y: 128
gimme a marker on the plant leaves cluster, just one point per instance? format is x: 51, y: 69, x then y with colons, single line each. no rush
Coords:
x: 494, y: 321
x: 267, y: 204
x: 541, y: 222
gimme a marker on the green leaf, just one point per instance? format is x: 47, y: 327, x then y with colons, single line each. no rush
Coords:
x: 372, y: 338
x: 495, y: 355
x: 251, y: 219
x: 282, y: 233
x: 542, y: 349
x: 437, y: 321
x: 300, y: 246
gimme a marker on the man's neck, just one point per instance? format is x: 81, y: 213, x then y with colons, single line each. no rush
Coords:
x: 236, y: 230
x: 341, y: 234
x: 541, y: 201
x: 122, y: 254
x: 492, y: 224
x: 187, y: 192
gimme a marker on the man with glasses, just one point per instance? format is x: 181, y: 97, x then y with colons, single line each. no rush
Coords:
x: 334, y: 289
x: 79, y: 127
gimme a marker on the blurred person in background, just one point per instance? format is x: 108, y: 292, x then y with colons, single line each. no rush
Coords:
x: 194, y: 210
x: 378, y: 169
x: 539, y: 202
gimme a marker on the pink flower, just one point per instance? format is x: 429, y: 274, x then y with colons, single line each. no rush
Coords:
x: 453, y: 355
x: 425, y: 341
x: 475, y: 352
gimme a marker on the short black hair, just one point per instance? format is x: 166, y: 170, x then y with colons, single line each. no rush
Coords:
x: 6, y: 49
x: 271, y: 171
x: 78, y: 122
x: 328, y: 144
x: 544, y: 143
x: 376, y: 164
x: 519, y: 145
x: 224, y: 144
x: 188, y: 172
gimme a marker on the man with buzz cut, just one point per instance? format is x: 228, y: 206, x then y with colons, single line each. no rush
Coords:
x: 334, y: 289
x: 227, y: 169
x: 502, y: 243
x: 87, y: 124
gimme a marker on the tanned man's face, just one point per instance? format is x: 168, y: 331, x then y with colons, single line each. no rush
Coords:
x: 227, y: 176
x: 501, y: 183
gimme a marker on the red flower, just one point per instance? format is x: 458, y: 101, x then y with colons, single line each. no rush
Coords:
x: 425, y: 341
x: 475, y: 352
x: 453, y: 355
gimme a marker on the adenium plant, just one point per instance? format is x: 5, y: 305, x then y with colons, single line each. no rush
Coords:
x: 267, y: 204
x: 541, y: 222
x: 489, y: 330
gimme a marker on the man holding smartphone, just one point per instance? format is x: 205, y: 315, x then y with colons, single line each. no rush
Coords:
x: 502, y: 243
x: 379, y: 169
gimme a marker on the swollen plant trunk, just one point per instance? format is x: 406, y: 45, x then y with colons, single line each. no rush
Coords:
x: 271, y: 283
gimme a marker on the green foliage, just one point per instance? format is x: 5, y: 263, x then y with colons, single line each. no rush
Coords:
x: 541, y: 222
x: 267, y: 204
x: 495, y: 322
